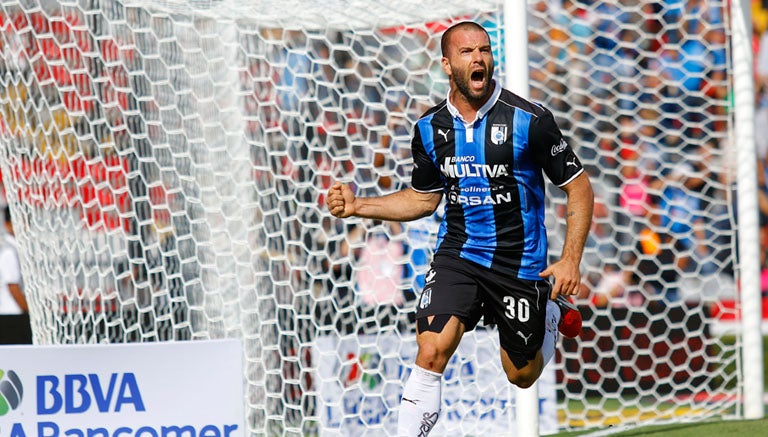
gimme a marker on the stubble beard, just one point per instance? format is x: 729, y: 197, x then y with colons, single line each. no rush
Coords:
x: 475, y: 97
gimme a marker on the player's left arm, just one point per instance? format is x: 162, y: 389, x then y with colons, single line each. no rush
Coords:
x: 578, y: 219
x: 558, y: 160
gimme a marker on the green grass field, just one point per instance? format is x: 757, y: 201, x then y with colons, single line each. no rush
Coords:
x: 745, y: 428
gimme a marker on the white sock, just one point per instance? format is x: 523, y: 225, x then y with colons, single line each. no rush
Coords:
x: 550, y: 331
x: 420, y: 405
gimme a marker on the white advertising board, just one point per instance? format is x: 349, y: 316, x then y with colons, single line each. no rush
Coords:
x: 179, y: 389
x: 360, y: 378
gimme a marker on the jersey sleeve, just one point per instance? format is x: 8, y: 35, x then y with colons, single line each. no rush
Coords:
x: 426, y: 176
x: 552, y: 152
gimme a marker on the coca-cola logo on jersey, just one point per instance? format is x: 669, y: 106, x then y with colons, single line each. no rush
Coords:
x: 557, y: 148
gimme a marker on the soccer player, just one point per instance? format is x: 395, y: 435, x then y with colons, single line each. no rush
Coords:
x: 487, y: 150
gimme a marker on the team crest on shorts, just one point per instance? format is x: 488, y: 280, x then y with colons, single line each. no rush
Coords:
x: 498, y: 134
x: 426, y: 298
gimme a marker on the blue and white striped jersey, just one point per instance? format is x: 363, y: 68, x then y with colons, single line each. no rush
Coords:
x: 491, y: 172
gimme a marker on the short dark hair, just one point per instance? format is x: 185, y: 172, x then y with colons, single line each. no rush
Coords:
x: 461, y: 25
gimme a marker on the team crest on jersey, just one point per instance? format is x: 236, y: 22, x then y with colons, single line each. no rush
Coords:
x: 498, y: 134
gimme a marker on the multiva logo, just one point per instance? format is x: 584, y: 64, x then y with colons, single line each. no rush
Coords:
x: 11, y: 391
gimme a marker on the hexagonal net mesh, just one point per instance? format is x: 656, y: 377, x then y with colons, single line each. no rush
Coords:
x: 166, y: 162
x: 643, y: 90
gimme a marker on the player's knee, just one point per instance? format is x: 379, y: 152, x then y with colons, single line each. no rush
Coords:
x: 523, y: 378
x: 430, y: 352
x: 521, y: 381
x: 432, y: 358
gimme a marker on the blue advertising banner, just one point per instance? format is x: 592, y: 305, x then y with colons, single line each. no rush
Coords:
x: 190, y: 388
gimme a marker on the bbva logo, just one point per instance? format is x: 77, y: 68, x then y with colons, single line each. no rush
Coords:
x: 11, y: 391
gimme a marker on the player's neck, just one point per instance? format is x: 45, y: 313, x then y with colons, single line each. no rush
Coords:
x: 468, y: 108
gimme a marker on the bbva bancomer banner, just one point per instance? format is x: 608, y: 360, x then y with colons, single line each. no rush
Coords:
x: 179, y: 389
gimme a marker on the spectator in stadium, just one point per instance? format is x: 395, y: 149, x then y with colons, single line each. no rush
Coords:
x: 601, y: 245
x: 649, y: 146
x: 379, y: 276
x: 682, y: 208
x: 338, y: 311
x: 761, y: 124
x: 602, y: 161
x: 686, y: 65
x: 12, y: 299
x: 762, y: 196
x: 633, y: 195
x: 538, y: 46
x: 14, y: 311
x: 761, y: 61
x: 656, y: 262
x: 663, y: 95
x: 486, y: 149
x: 610, y: 288
x: 706, y: 182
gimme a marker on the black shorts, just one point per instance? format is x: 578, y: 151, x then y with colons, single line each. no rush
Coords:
x: 470, y: 291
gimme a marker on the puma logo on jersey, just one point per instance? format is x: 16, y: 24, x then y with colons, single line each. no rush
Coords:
x: 573, y: 163
x: 524, y: 337
x: 430, y: 275
x: 444, y: 134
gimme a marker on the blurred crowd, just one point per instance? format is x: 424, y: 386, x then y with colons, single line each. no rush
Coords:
x: 645, y: 93
x: 642, y: 89
x: 760, y: 53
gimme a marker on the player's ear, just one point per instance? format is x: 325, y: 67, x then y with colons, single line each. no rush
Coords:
x: 446, y: 66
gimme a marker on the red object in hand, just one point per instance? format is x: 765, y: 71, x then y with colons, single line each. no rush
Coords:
x: 570, y: 318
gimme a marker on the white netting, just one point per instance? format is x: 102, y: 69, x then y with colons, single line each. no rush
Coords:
x: 166, y: 163
x: 642, y: 89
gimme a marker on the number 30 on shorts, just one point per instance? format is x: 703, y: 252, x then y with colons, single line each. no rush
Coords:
x: 519, y: 309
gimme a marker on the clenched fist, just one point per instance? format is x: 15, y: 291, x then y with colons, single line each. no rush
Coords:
x: 341, y: 200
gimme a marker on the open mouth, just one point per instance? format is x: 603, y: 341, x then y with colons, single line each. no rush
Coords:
x: 477, y: 78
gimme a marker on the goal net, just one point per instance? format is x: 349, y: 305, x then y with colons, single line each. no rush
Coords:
x: 165, y: 163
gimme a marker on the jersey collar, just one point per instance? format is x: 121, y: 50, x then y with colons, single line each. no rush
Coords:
x: 483, y: 109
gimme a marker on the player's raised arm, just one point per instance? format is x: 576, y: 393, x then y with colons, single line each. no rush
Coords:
x: 400, y: 206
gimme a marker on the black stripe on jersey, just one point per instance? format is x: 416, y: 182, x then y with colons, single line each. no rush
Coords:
x: 500, y: 145
x: 444, y: 147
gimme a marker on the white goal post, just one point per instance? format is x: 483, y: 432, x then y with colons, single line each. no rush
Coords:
x: 165, y: 164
